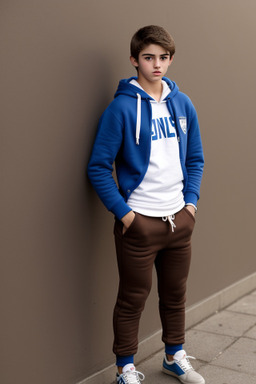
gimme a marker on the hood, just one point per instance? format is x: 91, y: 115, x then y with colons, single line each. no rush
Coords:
x: 127, y: 89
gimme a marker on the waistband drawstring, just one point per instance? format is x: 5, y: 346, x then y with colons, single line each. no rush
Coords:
x: 170, y: 218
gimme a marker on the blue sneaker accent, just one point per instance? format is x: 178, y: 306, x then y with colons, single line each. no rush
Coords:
x: 175, y: 368
x: 181, y: 368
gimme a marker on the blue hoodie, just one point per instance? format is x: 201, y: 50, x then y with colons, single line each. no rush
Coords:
x: 124, y: 137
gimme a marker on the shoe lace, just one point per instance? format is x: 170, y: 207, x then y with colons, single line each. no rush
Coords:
x: 185, y: 363
x: 133, y: 377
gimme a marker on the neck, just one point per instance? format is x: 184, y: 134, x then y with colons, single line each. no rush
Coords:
x: 154, y: 89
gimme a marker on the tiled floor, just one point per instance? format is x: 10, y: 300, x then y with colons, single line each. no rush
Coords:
x: 224, y: 345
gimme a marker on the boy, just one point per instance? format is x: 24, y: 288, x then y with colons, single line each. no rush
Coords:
x: 151, y: 132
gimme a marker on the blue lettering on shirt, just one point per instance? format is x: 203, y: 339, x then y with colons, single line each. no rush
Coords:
x: 161, y: 128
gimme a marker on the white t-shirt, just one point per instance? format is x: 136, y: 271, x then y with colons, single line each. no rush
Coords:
x: 160, y: 192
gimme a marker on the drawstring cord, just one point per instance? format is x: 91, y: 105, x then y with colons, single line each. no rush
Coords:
x: 138, y: 123
x: 170, y: 218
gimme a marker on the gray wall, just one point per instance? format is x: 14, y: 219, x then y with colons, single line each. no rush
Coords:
x: 60, y: 65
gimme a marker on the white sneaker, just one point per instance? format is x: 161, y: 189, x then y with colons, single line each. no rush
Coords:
x: 129, y: 375
x: 181, y: 368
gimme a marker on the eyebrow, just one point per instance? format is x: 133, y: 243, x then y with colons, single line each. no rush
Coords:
x: 150, y: 54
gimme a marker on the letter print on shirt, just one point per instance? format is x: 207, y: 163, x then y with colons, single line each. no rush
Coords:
x: 162, y: 128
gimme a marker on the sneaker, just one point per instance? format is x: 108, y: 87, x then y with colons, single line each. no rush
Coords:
x: 129, y: 375
x: 181, y: 368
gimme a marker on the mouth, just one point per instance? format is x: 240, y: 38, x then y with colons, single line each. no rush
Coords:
x: 157, y: 73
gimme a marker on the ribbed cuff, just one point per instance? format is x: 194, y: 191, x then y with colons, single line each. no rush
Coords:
x: 172, y: 349
x: 121, y: 361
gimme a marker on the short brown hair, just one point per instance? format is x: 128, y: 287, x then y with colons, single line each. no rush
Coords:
x: 151, y: 34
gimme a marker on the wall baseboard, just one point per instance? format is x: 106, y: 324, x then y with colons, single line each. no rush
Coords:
x: 194, y: 314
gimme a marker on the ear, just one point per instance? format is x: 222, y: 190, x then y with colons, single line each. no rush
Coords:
x: 134, y: 62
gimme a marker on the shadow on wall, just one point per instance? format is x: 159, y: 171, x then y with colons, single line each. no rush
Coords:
x: 101, y: 276
x: 101, y: 279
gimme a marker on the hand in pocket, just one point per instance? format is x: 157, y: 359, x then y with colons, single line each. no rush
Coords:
x: 127, y: 220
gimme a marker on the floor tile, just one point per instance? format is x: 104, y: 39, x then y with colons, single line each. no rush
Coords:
x: 206, y: 346
x: 228, y: 323
x: 245, y: 305
x: 218, y: 375
x: 251, y: 333
x: 241, y: 356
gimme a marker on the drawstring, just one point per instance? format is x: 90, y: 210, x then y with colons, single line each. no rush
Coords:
x: 170, y: 218
x: 138, y: 119
x: 166, y: 90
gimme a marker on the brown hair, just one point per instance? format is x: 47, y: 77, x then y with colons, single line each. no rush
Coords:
x: 151, y: 34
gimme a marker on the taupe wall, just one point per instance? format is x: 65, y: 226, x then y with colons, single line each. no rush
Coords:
x: 60, y: 65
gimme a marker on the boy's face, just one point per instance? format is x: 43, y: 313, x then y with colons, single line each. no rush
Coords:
x: 153, y: 63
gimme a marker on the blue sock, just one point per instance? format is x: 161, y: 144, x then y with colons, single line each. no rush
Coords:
x: 121, y: 361
x: 172, y: 349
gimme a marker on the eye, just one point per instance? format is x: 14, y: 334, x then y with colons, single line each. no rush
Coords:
x: 148, y: 58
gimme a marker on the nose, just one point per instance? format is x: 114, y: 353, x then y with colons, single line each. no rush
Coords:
x: 157, y: 63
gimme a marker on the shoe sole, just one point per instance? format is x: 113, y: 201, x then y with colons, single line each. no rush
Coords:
x: 170, y: 373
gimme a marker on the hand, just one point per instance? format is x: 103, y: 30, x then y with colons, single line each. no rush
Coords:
x: 127, y: 220
x: 191, y: 209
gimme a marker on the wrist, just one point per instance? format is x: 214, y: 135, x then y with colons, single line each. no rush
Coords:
x: 128, y: 219
x: 191, y: 208
x: 192, y: 205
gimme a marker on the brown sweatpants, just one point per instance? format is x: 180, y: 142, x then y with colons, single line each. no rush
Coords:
x: 149, y: 241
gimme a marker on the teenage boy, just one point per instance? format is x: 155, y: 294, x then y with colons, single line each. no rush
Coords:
x: 151, y: 132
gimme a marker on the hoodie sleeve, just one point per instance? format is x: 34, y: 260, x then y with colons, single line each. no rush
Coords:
x: 100, y: 168
x: 194, y: 161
